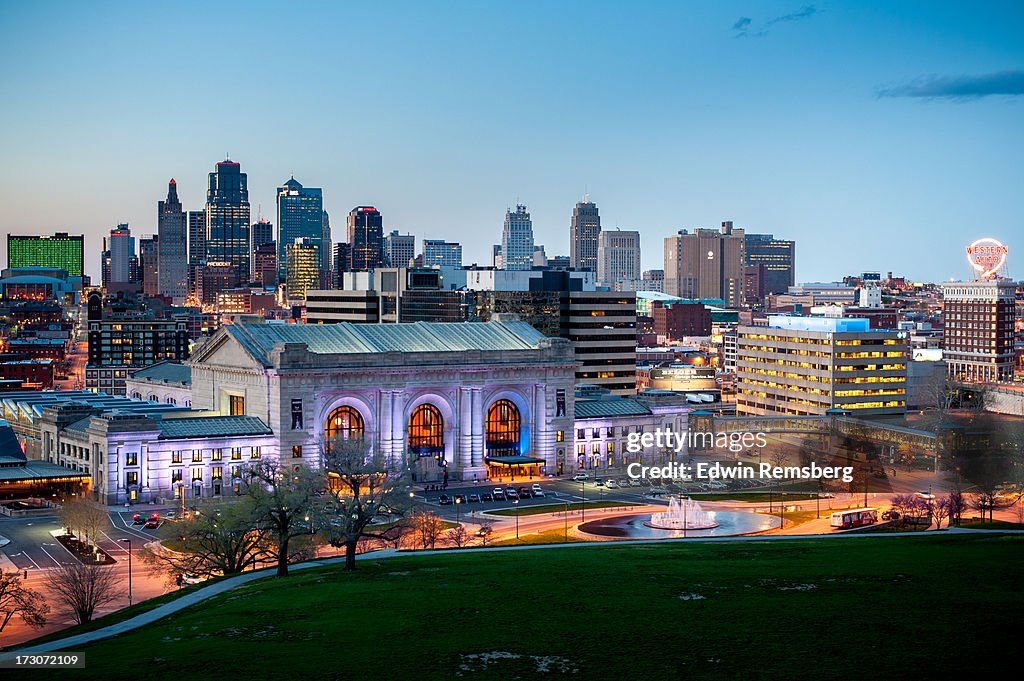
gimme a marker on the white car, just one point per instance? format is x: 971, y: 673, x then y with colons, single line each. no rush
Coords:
x: 611, y: 484
x: 581, y: 476
x: 537, y: 491
x: 927, y: 496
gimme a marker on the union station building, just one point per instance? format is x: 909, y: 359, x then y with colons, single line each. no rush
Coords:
x: 458, y: 401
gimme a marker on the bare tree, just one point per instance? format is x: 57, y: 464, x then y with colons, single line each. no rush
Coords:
x: 222, y: 539
x: 458, y: 537
x: 940, y: 511
x: 485, y: 534
x: 361, y: 486
x: 282, y: 503
x: 428, y: 527
x: 84, y: 519
x: 79, y: 590
x: 957, y: 506
x: 17, y: 600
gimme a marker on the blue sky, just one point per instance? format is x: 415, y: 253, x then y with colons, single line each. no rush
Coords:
x: 880, y: 136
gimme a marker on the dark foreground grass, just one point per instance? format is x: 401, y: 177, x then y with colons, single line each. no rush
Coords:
x: 865, y: 608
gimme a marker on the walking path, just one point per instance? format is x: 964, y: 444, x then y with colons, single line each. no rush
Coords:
x: 207, y: 592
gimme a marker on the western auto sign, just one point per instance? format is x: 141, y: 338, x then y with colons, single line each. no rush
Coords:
x: 987, y: 256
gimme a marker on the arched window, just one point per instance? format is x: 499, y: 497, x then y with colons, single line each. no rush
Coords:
x: 344, y: 423
x: 426, y: 430
x: 503, y: 424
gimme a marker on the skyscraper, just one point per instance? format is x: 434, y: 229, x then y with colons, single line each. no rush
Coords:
x: 196, y: 243
x: 399, y: 249
x: 441, y: 253
x: 618, y: 260
x: 63, y: 250
x: 778, y: 257
x: 302, y: 268
x: 365, y: 238
x: 149, y: 266
x: 517, y: 240
x: 121, y: 245
x: 706, y: 264
x: 227, y: 218
x: 300, y: 215
x: 172, y: 248
x: 584, y: 230
x: 978, y: 327
x: 262, y: 233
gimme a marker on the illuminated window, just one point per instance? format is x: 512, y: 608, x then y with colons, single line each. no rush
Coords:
x: 236, y: 405
x: 426, y: 430
x: 344, y: 423
x: 296, y: 451
x: 503, y: 422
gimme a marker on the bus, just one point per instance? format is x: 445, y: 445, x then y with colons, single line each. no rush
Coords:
x: 855, y: 517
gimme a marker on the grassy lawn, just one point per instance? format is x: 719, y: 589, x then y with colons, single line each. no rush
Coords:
x: 798, y: 609
x: 992, y: 525
x: 545, y: 537
x: 556, y: 508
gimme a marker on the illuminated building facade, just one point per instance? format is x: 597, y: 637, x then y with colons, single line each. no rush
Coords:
x: 584, y: 231
x: 227, y: 218
x: 978, y: 334
x: 808, y: 365
x: 63, y: 250
x: 517, y: 240
x: 365, y: 239
x: 302, y: 268
x: 300, y: 215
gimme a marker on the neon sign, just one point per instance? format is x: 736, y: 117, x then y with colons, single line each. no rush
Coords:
x: 987, y: 256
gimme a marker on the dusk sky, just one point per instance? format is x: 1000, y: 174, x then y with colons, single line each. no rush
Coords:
x: 880, y: 136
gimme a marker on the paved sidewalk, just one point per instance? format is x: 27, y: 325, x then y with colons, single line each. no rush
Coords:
x: 208, y: 592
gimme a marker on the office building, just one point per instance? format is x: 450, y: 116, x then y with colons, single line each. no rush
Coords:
x: 441, y: 253
x: 196, y: 245
x: 676, y: 320
x: 706, y: 264
x: 333, y: 306
x: 517, y: 240
x: 618, y: 260
x: 172, y: 247
x: 300, y: 215
x: 979, y: 325
x: 302, y: 267
x: 365, y: 239
x: 227, y: 219
x: 149, y: 248
x: 121, y: 245
x: 584, y: 232
x: 264, y: 265
x: 778, y: 257
x: 808, y: 365
x: 262, y: 233
x: 399, y: 249
x: 62, y: 250
x: 212, y: 278
x: 653, y: 280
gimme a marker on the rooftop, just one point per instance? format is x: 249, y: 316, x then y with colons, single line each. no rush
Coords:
x: 164, y: 372
x: 211, y: 426
x: 619, y: 406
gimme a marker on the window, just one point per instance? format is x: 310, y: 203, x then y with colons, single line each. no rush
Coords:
x: 131, y: 479
x: 236, y: 454
x: 503, y: 423
x: 236, y: 405
x: 197, y: 473
x: 296, y: 451
x: 255, y: 454
x: 560, y: 436
x: 218, y: 472
x: 611, y: 432
x: 131, y: 459
x: 218, y: 454
x: 344, y: 423
x: 611, y: 447
x: 296, y: 414
x: 176, y: 475
x: 595, y: 433
x: 580, y: 433
x: 581, y: 449
x: 176, y: 457
x: 426, y: 430
x: 197, y: 456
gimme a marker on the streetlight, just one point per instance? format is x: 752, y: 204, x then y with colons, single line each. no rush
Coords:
x: 457, y: 502
x: 129, y: 543
x: 566, y: 517
x: 583, y: 504
x: 515, y: 503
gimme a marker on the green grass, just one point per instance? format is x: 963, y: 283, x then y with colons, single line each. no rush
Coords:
x: 992, y: 525
x: 556, y: 508
x: 797, y: 609
x: 545, y: 537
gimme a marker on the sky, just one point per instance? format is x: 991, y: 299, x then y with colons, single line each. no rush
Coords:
x: 880, y: 136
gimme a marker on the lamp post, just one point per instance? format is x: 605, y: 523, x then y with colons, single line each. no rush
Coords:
x: 515, y: 503
x: 583, y: 504
x: 457, y: 502
x: 129, y: 543
x: 566, y: 518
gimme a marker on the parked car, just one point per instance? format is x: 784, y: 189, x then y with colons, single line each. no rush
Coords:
x: 623, y: 482
x: 599, y: 482
x: 499, y: 494
x: 511, y: 493
x: 927, y: 496
x: 537, y: 490
x: 611, y: 484
x: 581, y: 476
x: 152, y: 523
x: 460, y: 499
x: 486, y: 496
x: 473, y: 498
x: 444, y: 500
x: 186, y: 578
x: 524, y: 493
x: 138, y: 519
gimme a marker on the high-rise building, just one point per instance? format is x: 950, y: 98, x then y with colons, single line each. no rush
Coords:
x: 618, y: 260
x: 121, y: 245
x: 778, y: 257
x: 978, y: 320
x: 264, y: 265
x: 365, y: 239
x: 262, y: 233
x: 517, y: 240
x: 602, y: 327
x: 196, y: 245
x: 441, y: 253
x: 172, y: 248
x: 584, y: 231
x: 706, y: 264
x: 342, y: 262
x: 300, y: 215
x: 63, y: 250
x: 149, y: 249
x: 302, y: 267
x: 808, y: 365
x: 399, y: 249
x: 326, y: 252
x: 227, y: 218
x: 653, y: 280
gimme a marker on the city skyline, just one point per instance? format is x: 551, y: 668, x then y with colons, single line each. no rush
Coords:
x: 743, y: 119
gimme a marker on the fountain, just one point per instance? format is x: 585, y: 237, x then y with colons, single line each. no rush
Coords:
x: 683, y: 514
